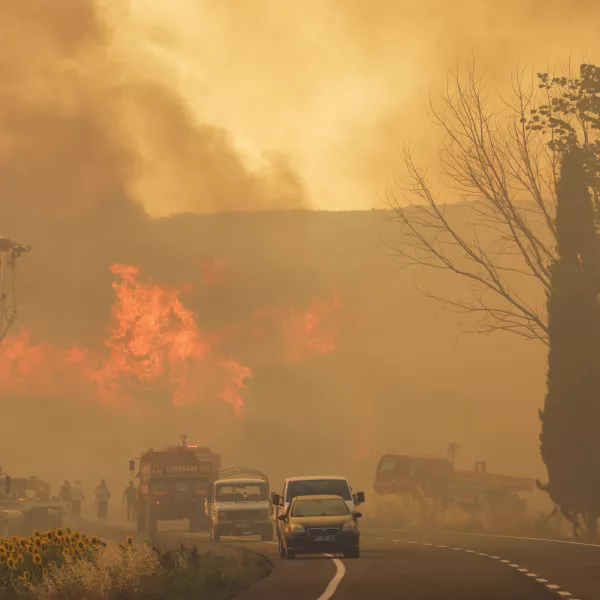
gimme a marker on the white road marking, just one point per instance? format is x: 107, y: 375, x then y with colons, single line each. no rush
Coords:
x: 491, y: 535
x: 333, y: 584
x: 523, y: 570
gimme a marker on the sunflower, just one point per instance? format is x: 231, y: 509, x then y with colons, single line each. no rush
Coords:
x: 68, y: 530
x: 94, y: 540
x: 2, y: 559
x: 11, y: 563
x: 80, y: 545
x: 59, y: 533
x: 130, y: 540
x: 44, y: 545
x: 2, y: 549
x: 23, y: 543
x: 37, y: 533
x: 38, y: 542
x: 27, y: 575
x: 37, y: 559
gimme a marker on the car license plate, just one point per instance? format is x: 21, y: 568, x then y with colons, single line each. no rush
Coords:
x: 325, y: 538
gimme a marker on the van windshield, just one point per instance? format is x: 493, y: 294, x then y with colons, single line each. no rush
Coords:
x: 318, y: 487
x: 241, y: 492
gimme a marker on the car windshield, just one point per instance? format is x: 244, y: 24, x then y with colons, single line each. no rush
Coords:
x: 241, y: 492
x: 327, y: 507
x: 318, y: 487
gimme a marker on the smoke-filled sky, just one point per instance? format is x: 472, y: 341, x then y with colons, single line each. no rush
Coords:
x: 111, y: 108
x: 336, y: 86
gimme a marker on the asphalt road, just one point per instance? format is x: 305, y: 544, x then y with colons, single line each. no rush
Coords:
x: 416, y: 566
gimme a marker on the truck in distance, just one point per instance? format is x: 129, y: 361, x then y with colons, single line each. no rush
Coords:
x: 173, y: 484
x: 26, y: 505
x: 238, y: 503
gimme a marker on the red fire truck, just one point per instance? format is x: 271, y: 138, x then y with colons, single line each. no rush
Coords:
x: 173, y: 484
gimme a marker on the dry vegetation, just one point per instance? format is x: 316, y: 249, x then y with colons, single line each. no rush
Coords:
x: 61, y: 564
x: 422, y: 514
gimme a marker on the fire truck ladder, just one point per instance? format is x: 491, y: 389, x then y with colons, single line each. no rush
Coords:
x: 233, y: 471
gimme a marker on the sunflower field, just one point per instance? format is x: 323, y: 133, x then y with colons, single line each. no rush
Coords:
x: 65, y: 565
x: 27, y: 561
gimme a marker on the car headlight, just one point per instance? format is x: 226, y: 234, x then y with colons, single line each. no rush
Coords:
x: 349, y: 526
x: 295, y: 528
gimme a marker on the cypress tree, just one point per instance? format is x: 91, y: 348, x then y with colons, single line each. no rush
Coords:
x: 570, y: 437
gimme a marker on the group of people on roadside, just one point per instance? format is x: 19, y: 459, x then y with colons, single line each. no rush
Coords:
x: 74, y: 497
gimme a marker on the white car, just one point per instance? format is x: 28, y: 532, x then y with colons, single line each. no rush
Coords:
x: 239, y: 506
x: 317, y: 485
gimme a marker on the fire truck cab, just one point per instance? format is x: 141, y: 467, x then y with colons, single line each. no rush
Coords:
x: 173, y: 484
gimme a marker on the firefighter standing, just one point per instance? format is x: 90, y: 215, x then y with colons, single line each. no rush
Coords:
x: 76, y: 499
x: 102, y: 498
x: 129, y: 498
x: 65, y: 494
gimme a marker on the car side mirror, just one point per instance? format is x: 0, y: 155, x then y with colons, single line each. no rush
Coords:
x: 282, y: 517
x: 357, y: 515
x: 275, y: 499
x: 359, y: 497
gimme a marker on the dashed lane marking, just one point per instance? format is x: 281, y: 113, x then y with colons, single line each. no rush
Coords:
x: 491, y: 535
x: 550, y: 586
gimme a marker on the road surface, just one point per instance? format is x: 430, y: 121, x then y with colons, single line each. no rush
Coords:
x: 417, y: 566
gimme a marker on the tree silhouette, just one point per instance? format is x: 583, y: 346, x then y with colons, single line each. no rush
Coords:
x: 502, y: 160
x: 570, y: 443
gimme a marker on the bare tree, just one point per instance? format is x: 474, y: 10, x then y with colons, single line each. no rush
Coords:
x: 9, y: 253
x: 503, y: 231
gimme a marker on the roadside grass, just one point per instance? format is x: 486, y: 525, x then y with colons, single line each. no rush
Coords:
x: 61, y: 565
x: 422, y: 514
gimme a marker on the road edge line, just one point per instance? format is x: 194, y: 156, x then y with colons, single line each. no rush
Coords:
x: 340, y: 571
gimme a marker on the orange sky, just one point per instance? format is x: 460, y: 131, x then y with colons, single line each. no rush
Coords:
x: 335, y: 85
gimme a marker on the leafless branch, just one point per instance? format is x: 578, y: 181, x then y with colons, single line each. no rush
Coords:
x: 503, y: 232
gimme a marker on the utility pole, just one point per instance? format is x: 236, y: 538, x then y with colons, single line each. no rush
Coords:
x: 9, y: 253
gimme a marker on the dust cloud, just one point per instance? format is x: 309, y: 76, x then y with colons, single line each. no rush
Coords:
x: 113, y: 113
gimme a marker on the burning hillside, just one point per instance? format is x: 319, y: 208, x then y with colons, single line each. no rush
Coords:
x: 155, y: 345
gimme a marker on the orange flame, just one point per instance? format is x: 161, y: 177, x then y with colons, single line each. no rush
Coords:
x: 302, y: 332
x: 155, y: 345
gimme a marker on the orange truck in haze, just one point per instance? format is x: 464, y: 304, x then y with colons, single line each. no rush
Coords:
x: 437, y: 478
x: 173, y: 485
